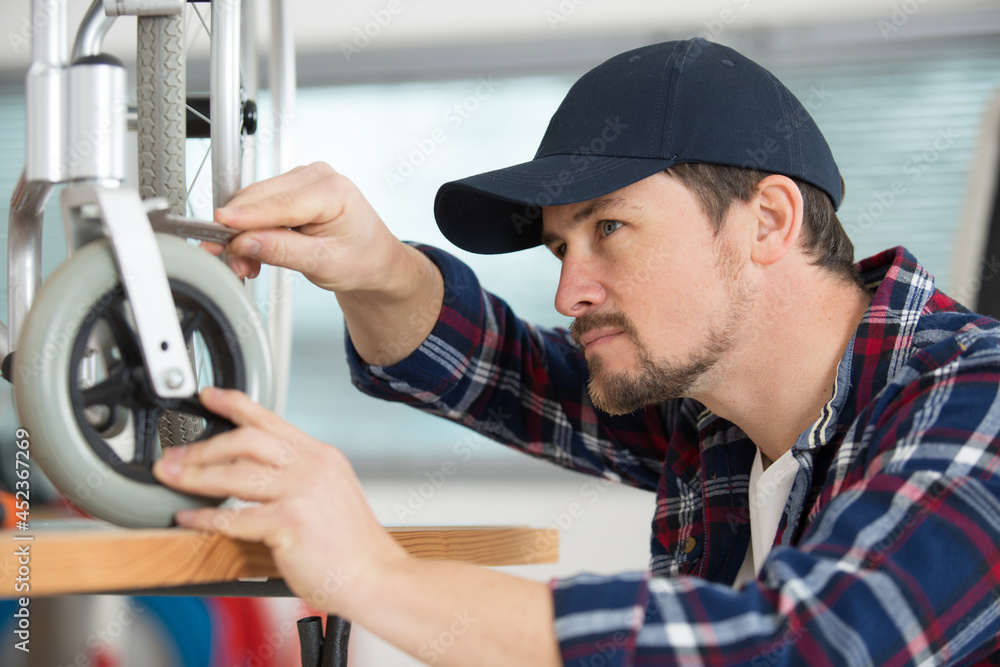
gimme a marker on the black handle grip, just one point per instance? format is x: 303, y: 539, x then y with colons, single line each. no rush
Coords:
x: 311, y: 640
x: 338, y: 633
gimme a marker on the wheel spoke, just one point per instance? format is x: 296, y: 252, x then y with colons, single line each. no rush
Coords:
x: 189, y: 323
x: 124, y: 337
x: 146, y: 435
x: 110, y: 392
x: 194, y: 182
x: 201, y: 18
x: 197, y: 113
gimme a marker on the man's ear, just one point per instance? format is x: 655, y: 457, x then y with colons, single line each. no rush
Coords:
x: 777, y: 208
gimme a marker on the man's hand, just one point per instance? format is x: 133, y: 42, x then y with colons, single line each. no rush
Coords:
x: 312, y: 512
x: 334, y: 554
x: 314, y: 221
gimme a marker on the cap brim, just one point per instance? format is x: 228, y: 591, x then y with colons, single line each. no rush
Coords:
x: 501, y: 211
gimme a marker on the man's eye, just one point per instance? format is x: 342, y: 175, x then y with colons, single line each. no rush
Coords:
x: 559, y: 250
x: 608, y: 226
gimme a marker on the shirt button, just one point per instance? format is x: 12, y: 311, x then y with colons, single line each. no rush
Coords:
x: 689, y: 545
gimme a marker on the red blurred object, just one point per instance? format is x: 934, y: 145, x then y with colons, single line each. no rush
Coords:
x: 8, y: 505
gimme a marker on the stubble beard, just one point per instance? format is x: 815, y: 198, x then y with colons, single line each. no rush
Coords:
x: 654, y: 381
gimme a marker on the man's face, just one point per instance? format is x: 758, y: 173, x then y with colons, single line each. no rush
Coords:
x: 657, y: 296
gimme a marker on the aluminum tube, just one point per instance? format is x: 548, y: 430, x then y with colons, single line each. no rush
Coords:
x: 24, y: 252
x: 45, y: 87
x: 225, y: 94
x: 143, y: 7
x: 50, y: 40
x: 248, y: 50
x: 282, y: 84
x: 250, y: 91
x: 250, y: 84
x: 97, y: 126
x: 93, y: 28
x: 44, y: 163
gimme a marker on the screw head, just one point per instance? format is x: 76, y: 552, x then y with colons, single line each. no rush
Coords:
x: 174, y: 378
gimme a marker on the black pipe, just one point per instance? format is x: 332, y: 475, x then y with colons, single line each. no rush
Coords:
x: 338, y: 633
x: 311, y: 640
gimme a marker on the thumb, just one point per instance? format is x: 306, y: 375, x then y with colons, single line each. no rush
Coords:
x: 287, y: 248
x: 240, y: 409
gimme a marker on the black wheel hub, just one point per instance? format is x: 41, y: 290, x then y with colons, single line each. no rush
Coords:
x: 123, y: 403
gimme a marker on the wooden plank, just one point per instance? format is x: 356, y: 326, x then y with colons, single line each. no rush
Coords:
x: 57, y: 562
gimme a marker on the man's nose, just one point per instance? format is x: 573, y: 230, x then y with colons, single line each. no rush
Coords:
x: 580, y: 289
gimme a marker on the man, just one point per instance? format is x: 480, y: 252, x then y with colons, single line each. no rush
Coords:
x: 725, y: 353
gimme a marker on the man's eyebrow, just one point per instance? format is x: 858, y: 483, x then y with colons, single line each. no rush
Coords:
x: 598, y: 206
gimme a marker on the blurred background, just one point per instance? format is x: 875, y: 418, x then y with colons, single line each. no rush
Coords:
x: 403, y: 95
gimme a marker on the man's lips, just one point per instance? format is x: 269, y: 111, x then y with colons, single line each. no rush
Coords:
x: 596, y: 335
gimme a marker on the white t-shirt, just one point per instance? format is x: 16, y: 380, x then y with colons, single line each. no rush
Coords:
x: 769, y: 491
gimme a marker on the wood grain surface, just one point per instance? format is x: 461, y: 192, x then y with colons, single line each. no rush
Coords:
x: 92, y: 557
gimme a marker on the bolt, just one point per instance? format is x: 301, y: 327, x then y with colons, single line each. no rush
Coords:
x: 174, y: 378
x: 90, y: 212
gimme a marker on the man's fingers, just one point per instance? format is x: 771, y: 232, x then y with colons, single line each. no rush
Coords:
x: 243, y: 267
x: 244, y: 463
x: 251, y: 524
x: 287, y: 204
x: 238, y: 408
x: 212, y: 248
x: 245, y: 442
x: 282, y: 247
x: 287, y: 208
x: 294, y: 179
x: 241, y: 478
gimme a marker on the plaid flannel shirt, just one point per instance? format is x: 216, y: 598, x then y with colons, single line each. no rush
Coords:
x: 887, y: 550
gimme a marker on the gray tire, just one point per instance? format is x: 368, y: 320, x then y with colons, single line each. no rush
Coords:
x: 161, y: 97
x: 160, y: 133
x: 48, y: 404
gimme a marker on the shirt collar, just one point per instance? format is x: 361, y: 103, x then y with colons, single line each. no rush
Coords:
x: 901, y: 289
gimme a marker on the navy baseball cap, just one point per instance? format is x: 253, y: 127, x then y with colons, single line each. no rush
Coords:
x: 630, y: 117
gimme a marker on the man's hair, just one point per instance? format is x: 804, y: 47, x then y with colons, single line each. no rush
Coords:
x: 823, y: 237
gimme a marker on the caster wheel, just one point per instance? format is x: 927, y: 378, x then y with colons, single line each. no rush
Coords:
x: 82, y: 390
